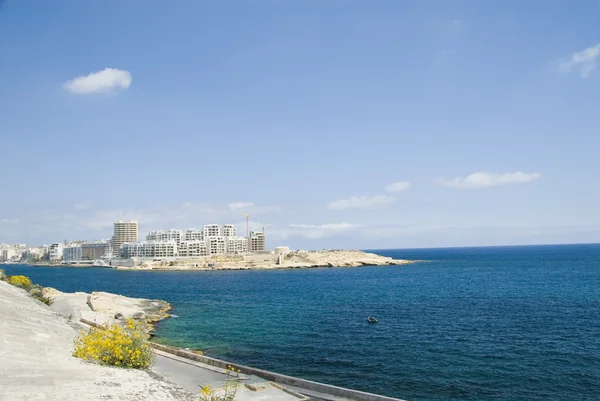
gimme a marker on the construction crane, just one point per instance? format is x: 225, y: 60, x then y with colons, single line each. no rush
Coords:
x: 247, y: 216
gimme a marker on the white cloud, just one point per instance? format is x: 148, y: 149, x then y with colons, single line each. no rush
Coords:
x: 397, y: 186
x: 585, y: 60
x: 361, y: 202
x: 107, y: 80
x: 484, y: 179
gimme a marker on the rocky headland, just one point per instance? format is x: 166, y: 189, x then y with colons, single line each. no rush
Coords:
x: 278, y: 259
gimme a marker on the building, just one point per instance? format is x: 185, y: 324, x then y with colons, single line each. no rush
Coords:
x: 193, y: 248
x: 8, y: 254
x: 256, y: 242
x: 124, y: 232
x: 148, y: 249
x: 216, y: 245
x: 228, y: 230
x: 95, y: 250
x: 33, y: 254
x: 236, y: 245
x: 165, y: 235
x: 72, y: 253
x: 194, y: 234
x: 211, y: 230
x: 55, y: 252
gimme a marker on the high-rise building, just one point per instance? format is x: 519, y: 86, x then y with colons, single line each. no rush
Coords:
x: 124, y: 232
x: 256, y: 242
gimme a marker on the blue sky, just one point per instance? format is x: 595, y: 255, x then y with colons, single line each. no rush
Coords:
x: 303, y: 114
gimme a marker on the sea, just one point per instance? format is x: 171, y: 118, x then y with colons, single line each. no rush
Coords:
x: 490, y: 323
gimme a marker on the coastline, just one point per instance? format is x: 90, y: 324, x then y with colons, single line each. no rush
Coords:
x: 41, y: 345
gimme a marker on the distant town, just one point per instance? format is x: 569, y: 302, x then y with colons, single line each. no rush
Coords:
x: 211, y: 240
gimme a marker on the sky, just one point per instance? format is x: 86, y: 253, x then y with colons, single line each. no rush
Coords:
x: 334, y: 124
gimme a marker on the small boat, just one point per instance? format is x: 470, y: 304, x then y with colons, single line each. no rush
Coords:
x: 371, y: 319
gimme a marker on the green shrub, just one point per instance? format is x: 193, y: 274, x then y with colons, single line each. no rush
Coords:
x: 37, y: 291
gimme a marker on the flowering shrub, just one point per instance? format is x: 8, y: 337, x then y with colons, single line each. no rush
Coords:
x: 115, y: 345
x: 228, y: 392
x: 20, y: 281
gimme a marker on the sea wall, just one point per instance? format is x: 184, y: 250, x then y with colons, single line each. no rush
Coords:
x: 300, y: 384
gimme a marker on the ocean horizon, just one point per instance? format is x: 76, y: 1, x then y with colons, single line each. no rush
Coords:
x: 465, y: 323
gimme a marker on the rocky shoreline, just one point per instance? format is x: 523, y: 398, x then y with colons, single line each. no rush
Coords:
x: 104, y: 307
x: 272, y: 260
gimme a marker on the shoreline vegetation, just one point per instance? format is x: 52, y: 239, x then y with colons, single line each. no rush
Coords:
x: 259, y: 261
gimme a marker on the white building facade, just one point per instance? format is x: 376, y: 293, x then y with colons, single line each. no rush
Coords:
x: 55, y: 252
x: 194, y: 234
x: 212, y: 230
x: 165, y: 235
x: 236, y: 245
x: 149, y: 249
x: 190, y: 249
x: 72, y: 253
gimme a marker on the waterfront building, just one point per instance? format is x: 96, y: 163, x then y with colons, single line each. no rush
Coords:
x: 236, y: 245
x: 165, y: 235
x: 95, y: 250
x: 33, y: 254
x: 55, y: 252
x: 194, y: 234
x: 211, y: 230
x: 148, y: 249
x: 7, y: 254
x: 72, y: 253
x: 228, y: 230
x: 256, y: 241
x: 192, y: 248
x: 216, y: 245
x: 124, y: 231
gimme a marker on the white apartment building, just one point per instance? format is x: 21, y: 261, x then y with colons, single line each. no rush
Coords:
x: 148, y: 249
x: 165, y: 235
x: 72, y: 253
x: 228, y: 230
x: 212, y: 230
x: 256, y: 241
x: 8, y: 254
x: 194, y: 234
x: 33, y: 254
x: 216, y: 245
x: 236, y: 245
x: 193, y: 248
x: 55, y: 252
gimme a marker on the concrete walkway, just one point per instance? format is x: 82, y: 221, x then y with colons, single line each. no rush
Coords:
x: 192, y: 376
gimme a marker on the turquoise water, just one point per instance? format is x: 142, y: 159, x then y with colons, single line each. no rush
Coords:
x: 503, y: 323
